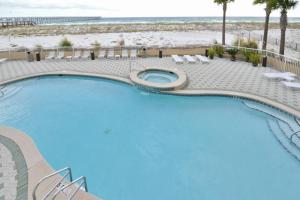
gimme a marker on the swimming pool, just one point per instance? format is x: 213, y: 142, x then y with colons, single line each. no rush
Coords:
x: 133, y: 145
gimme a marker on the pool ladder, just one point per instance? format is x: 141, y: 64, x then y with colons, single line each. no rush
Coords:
x: 64, y: 185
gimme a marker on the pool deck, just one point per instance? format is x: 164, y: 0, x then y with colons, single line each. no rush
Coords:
x: 220, y: 77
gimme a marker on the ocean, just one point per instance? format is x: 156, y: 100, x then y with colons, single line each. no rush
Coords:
x: 149, y: 20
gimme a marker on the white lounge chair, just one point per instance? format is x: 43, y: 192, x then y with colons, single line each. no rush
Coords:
x: 50, y: 56
x: 3, y: 60
x: 280, y: 75
x: 133, y: 53
x: 177, y: 59
x: 86, y: 55
x: 124, y: 53
x: 76, y: 55
x: 60, y: 55
x: 110, y: 54
x: 102, y: 54
x: 189, y: 59
x: 291, y: 85
x: 202, y: 59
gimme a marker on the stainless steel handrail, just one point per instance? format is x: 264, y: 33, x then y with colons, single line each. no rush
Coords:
x: 82, y: 178
x: 67, y: 169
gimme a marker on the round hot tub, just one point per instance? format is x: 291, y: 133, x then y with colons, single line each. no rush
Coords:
x: 159, y: 78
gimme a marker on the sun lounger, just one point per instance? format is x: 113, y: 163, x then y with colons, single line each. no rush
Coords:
x: 60, y: 55
x: 76, y: 55
x: 177, y: 59
x: 189, y: 59
x: 86, y: 55
x: 291, y: 85
x: 124, y: 53
x: 50, y: 56
x: 280, y: 75
x: 3, y: 60
x: 202, y: 59
x: 110, y: 54
x: 102, y: 54
x: 133, y: 53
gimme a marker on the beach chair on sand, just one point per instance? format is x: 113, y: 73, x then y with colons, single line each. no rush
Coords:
x: 287, y: 76
x: 177, y: 59
x: 291, y: 85
x: 202, y: 59
x: 86, y: 55
x: 50, y: 56
x: 3, y: 60
x: 110, y: 54
x: 124, y: 53
x: 189, y: 59
x: 61, y: 55
x: 76, y: 55
x: 102, y: 54
x: 133, y: 53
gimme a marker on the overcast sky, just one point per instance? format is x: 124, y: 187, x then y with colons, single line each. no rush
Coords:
x: 129, y: 8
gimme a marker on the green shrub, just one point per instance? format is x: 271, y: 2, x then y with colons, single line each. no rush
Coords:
x: 255, y: 59
x: 211, y: 53
x: 219, y: 50
x: 96, y: 45
x: 245, y: 43
x: 247, y: 53
x: 65, y: 43
x: 232, y: 52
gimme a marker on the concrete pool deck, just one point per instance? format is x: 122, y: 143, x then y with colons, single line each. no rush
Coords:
x: 219, y: 77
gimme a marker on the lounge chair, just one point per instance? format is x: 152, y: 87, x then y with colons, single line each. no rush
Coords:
x: 60, y: 55
x: 3, y: 60
x: 189, y: 59
x: 110, y: 54
x: 280, y: 75
x: 50, y: 56
x: 102, y: 54
x: 202, y: 59
x: 291, y: 85
x: 86, y: 55
x: 124, y: 53
x: 133, y: 53
x: 177, y: 59
x: 76, y: 55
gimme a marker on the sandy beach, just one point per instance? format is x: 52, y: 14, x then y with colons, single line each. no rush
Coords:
x: 161, y: 35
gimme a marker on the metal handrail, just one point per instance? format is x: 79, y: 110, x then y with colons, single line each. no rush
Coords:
x: 82, y: 178
x: 67, y: 169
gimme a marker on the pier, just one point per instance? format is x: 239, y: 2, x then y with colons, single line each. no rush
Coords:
x: 31, y: 21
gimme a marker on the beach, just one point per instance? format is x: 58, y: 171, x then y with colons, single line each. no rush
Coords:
x: 140, y: 35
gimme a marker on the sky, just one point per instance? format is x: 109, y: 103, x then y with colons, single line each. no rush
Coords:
x: 130, y: 8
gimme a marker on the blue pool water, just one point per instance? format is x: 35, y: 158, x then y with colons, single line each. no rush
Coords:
x: 132, y: 145
x: 157, y: 76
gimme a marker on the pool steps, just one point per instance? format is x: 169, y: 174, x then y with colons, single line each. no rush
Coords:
x: 64, y: 184
x: 287, y: 126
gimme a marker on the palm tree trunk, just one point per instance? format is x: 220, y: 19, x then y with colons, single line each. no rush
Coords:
x: 283, y: 25
x: 265, y: 39
x: 224, y: 22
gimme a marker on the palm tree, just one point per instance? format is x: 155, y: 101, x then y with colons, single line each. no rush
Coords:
x: 270, y: 6
x: 224, y: 3
x: 284, y: 6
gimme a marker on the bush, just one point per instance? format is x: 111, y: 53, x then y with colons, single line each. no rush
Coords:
x: 246, y: 43
x: 96, y: 45
x: 232, y: 52
x: 65, y: 43
x: 219, y: 50
x: 255, y: 59
x: 211, y: 53
x: 247, y: 53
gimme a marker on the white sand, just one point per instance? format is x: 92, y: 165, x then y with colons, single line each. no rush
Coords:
x: 167, y: 39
